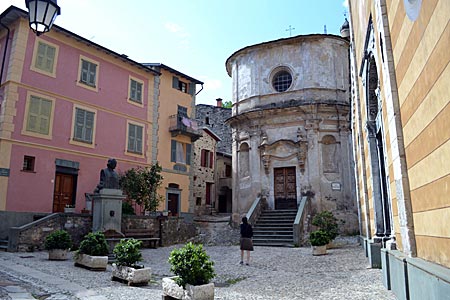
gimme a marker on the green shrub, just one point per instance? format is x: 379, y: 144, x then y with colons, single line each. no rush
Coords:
x: 192, y: 265
x: 319, y: 238
x: 128, y: 252
x: 58, y: 239
x: 326, y: 222
x: 127, y: 209
x: 94, y: 244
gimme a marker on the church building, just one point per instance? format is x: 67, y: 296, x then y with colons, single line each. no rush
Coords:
x: 290, y: 126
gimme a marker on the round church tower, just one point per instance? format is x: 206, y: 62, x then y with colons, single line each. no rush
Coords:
x: 290, y: 124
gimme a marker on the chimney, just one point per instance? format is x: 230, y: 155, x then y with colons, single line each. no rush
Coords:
x: 219, y: 102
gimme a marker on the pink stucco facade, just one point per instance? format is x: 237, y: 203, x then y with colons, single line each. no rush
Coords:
x: 57, y: 153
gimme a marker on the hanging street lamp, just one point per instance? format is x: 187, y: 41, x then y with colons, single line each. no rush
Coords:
x: 42, y: 14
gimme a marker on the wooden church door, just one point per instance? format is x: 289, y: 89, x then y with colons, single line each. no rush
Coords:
x: 285, y: 188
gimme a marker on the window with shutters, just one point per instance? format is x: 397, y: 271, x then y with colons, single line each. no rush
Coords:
x: 44, y: 57
x: 38, y: 116
x: 88, y: 73
x: 182, y: 86
x: 135, y: 91
x: 207, y: 159
x: 180, y: 152
x: 83, y: 126
x: 135, y: 138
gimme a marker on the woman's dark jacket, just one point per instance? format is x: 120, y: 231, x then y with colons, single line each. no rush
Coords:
x: 246, y: 230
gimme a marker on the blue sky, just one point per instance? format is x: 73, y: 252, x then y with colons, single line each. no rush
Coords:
x: 194, y: 37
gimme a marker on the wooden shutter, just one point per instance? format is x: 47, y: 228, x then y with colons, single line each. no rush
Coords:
x: 138, y: 143
x: 211, y: 159
x: 188, y: 154
x: 191, y: 88
x: 203, y: 160
x: 89, y: 126
x: 175, y: 82
x: 173, y: 151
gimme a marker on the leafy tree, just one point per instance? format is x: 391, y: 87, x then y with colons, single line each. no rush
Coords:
x: 141, y: 185
x: 227, y: 104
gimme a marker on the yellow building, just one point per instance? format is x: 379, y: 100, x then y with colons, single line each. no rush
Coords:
x: 400, y: 117
x: 174, y: 133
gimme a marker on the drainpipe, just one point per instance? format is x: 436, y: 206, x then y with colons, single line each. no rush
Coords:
x: 4, y: 54
x: 199, y: 91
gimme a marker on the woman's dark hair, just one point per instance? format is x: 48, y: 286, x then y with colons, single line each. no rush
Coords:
x: 244, y: 220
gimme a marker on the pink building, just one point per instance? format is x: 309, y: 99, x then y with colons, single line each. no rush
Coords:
x: 66, y: 106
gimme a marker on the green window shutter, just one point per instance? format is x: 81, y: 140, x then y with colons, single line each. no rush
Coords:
x: 188, y: 154
x: 84, y: 71
x: 44, y: 116
x: 173, y: 151
x: 139, y: 92
x: 40, y: 57
x: 89, y: 126
x: 79, y: 124
x: 192, y: 88
x: 92, y: 73
x: 131, y: 137
x: 138, y: 139
x: 50, y: 58
x: 39, y: 114
x: 175, y: 82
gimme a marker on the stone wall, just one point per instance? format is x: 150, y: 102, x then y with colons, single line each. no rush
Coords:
x: 214, y: 118
x: 31, y: 237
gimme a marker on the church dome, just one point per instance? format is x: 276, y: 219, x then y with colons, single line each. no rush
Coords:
x: 345, y: 29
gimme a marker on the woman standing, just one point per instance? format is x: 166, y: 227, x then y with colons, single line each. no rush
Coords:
x: 246, y: 240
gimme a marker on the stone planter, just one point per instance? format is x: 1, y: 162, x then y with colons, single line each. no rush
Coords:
x: 131, y: 275
x: 57, y: 254
x: 94, y: 263
x: 69, y: 210
x: 319, y: 250
x: 192, y: 292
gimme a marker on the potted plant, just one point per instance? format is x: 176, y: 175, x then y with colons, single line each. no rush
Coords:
x: 93, y: 252
x: 126, y: 269
x: 58, y: 243
x: 69, y: 208
x: 326, y: 222
x: 194, y: 271
x: 319, y: 240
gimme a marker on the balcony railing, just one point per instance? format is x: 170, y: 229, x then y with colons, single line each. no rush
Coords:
x: 179, y: 124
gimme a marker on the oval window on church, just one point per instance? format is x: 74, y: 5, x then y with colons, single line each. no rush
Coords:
x: 282, y: 81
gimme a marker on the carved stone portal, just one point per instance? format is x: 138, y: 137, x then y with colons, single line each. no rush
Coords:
x: 284, y: 150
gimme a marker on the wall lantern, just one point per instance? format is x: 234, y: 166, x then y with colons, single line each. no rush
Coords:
x: 42, y: 14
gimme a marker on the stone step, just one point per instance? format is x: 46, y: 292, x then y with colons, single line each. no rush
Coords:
x: 3, y: 245
x: 272, y: 237
x: 273, y: 233
x: 271, y: 221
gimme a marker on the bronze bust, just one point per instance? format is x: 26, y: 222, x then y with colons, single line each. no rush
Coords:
x: 108, y: 177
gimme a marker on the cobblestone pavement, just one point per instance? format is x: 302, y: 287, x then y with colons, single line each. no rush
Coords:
x: 274, y: 273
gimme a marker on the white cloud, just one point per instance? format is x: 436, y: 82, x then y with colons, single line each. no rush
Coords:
x: 180, y: 32
x: 213, y: 84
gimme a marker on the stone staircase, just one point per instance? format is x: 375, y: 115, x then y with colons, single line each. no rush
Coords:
x: 274, y: 228
x: 3, y: 245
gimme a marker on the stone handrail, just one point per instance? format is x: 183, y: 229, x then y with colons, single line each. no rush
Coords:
x: 14, y: 232
x: 300, y: 226
x: 255, y: 210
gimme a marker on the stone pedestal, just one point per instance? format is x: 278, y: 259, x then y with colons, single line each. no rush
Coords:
x: 107, y: 210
